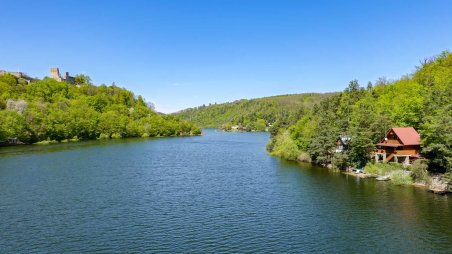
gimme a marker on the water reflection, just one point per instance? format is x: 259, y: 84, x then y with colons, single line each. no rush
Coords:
x: 58, y: 147
x: 217, y: 193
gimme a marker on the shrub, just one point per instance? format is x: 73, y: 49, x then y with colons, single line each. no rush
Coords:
x: 374, y: 169
x: 104, y: 136
x: 448, y: 176
x: 304, y: 157
x: 196, y: 131
x: 226, y: 126
x: 340, y: 161
x: 285, y: 147
x: 419, y: 171
x: 439, y: 157
x: 400, y: 177
x: 116, y: 135
x: 381, y: 169
x: 271, y: 144
x: 46, y: 142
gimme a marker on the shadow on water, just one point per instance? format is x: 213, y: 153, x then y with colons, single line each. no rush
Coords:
x: 82, y: 144
x: 373, y: 211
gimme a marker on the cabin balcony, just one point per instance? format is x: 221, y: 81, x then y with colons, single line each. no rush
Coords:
x: 392, y: 141
x: 380, y: 151
x: 406, y: 152
x: 398, y: 156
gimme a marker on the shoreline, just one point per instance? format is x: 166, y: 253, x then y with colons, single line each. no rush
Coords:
x: 52, y: 142
x: 415, y: 184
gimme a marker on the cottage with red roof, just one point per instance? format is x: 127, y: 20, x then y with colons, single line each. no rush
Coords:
x: 400, y: 145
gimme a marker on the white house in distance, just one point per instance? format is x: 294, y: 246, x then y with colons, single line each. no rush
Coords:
x: 342, y: 143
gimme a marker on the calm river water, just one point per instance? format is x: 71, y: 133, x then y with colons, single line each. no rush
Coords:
x: 220, y: 192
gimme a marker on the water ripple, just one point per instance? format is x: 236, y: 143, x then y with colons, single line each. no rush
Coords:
x: 219, y: 193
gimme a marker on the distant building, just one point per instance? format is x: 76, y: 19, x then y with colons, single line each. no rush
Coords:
x: 17, y: 74
x: 342, y: 144
x: 11, y: 142
x: 235, y: 127
x: 55, y: 74
x: 400, y: 145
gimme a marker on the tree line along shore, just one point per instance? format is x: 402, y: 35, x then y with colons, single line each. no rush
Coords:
x: 421, y: 100
x: 306, y: 127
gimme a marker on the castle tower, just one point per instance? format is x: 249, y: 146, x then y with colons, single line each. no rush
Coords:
x: 55, y: 74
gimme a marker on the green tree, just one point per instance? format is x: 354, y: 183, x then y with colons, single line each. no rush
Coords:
x: 82, y: 79
x: 260, y: 124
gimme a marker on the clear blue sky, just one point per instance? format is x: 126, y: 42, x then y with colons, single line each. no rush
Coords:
x: 185, y: 53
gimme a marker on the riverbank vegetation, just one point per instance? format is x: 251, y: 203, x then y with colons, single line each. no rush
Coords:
x: 48, y: 110
x: 416, y: 174
x: 268, y: 113
x: 422, y: 100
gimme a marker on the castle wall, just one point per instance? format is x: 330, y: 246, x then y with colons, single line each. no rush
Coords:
x: 55, y: 74
x: 19, y: 75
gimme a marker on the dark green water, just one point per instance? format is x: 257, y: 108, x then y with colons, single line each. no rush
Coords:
x: 217, y: 193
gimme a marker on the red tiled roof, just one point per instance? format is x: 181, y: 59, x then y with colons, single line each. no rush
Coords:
x: 408, y: 136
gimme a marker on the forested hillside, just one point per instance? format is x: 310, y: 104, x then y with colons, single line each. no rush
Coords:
x: 255, y: 114
x: 51, y: 110
x: 422, y: 100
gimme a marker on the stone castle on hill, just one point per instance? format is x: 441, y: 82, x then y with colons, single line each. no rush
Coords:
x: 18, y: 74
x: 55, y: 74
